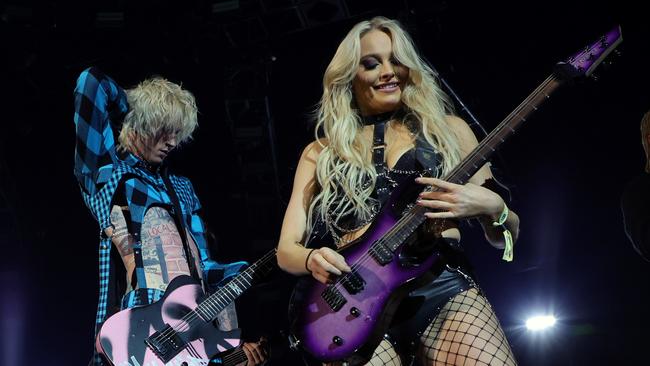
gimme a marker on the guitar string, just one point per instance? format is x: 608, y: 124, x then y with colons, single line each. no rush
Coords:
x: 406, y: 218
x: 188, y: 319
x: 235, y: 357
x: 213, y: 303
x: 409, y: 216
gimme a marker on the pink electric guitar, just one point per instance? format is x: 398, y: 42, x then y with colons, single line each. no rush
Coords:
x: 179, y: 329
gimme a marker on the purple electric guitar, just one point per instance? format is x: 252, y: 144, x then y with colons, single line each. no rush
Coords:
x: 179, y: 329
x: 345, y: 320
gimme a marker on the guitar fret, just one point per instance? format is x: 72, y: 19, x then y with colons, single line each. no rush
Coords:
x: 477, y: 158
x: 215, y: 303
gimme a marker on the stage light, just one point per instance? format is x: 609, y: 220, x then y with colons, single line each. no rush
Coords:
x: 540, y: 322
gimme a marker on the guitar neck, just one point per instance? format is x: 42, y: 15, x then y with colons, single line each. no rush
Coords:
x: 215, y: 303
x: 481, y: 154
x: 477, y: 158
x: 235, y: 357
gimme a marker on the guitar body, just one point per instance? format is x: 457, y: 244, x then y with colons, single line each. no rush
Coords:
x: 361, y: 321
x: 122, y: 338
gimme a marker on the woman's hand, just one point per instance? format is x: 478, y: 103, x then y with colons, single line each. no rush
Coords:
x: 325, y: 265
x: 459, y: 201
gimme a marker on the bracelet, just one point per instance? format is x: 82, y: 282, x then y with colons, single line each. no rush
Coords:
x: 307, y: 260
x: 507, y: 236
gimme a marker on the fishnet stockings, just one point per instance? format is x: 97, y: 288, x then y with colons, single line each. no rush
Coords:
x: 466, y: 332
x: 384, y: 355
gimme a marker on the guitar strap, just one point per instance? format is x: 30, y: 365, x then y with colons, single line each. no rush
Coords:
x: 427, y: 157
x: 378, y: 152
x: 135, y: 228
x: 180, y: 224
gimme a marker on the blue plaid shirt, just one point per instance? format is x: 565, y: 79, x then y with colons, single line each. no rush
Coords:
x: 100, y: 105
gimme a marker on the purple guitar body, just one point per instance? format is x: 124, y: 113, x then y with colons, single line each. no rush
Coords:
x: 179, y: 329
x: 335, y: 320
x: 346, y: 320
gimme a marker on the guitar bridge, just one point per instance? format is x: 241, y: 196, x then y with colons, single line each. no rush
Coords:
x: 165, y: 343
x: 353, y: 282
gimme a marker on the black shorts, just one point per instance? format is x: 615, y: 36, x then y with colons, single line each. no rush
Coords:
x: 423, y: 304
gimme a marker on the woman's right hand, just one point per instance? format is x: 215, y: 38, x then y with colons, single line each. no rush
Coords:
x: 325, y: 265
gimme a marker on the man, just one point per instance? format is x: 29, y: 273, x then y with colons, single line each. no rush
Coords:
x: 635, y: 202
x: 150, y: 217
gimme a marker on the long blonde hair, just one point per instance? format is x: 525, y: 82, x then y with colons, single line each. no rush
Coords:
x: 343, y: 168
x: 157, y: 107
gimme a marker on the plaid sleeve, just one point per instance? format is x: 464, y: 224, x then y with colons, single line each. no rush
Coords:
x: 99, y: 102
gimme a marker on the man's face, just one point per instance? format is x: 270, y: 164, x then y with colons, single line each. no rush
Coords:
x: 155, y: 150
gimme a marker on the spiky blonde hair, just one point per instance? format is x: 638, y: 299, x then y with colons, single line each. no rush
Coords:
x: 158, y: 107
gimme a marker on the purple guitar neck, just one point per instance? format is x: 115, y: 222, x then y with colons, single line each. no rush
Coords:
x: 345, y: 320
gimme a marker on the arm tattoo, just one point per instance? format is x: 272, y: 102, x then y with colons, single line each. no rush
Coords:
x: 121, y: 237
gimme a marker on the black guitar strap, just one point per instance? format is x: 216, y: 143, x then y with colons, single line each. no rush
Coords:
x: 378, y: 150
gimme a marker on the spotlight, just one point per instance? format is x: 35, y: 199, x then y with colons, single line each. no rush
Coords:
x: 540, y: 322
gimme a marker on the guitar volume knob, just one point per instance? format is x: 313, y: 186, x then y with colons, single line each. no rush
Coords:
x: 337, y: 340
x: 355, y: 312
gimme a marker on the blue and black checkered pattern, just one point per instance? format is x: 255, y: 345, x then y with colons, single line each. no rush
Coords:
x: 100, y: 105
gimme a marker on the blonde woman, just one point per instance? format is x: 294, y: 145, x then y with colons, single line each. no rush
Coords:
x: 384, y: 117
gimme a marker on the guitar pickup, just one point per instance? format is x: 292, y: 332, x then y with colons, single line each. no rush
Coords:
x: 353, y: 282
x: 381, y: 253
x: 334, y: 298
x: 166, y: 343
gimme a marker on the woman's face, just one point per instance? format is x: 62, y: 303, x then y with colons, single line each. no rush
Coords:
x: 380, y: 78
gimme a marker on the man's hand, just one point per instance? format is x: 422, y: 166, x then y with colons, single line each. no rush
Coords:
x: 255, y: 352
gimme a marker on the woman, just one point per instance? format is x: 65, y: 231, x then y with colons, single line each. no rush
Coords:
x: 376, y: 85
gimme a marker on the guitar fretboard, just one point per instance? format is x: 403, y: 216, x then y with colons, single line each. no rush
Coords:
x: 215, y: 303
x: 414, y: 217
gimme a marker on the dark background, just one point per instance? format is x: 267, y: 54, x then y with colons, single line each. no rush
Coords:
x: 256, y: 68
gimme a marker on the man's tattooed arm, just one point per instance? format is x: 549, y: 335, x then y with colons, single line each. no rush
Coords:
x: 120, y: 234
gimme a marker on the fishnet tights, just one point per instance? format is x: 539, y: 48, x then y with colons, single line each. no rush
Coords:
x: 466, y: 332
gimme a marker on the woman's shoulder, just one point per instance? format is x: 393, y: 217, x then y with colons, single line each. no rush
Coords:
x: 456, y: 123
x: 460, y: 128
x: 314, y: 148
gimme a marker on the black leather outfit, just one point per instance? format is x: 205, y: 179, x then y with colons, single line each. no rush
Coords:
x: 445, y: 280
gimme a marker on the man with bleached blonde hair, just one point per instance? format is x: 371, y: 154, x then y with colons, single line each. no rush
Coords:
x: 148, y: 215
x: 635, y: 202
